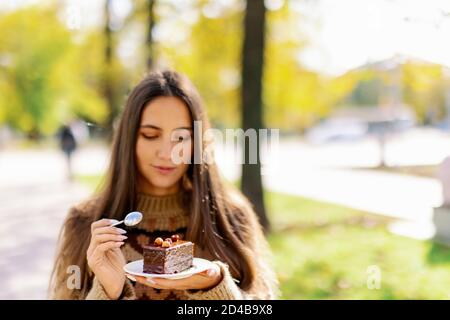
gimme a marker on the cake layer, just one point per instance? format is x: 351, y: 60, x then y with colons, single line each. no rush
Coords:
x: 169, y: 268
x: 176, y: 258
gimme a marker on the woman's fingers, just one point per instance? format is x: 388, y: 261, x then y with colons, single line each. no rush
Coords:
x: 193, y: 282
x: 196, y: 281
x: 100, y: 223
x: 148, y: 282
x: 108, y: 230
x: 206, y: 279
x: 168, y: 283
x: 132, y: 278
x: 151, y: 282
x: 101, y: 238
x: 102, y: 248
x: 104, y: 226
x: 102, y: 232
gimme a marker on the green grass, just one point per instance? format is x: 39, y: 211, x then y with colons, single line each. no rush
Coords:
x: 323, y: 251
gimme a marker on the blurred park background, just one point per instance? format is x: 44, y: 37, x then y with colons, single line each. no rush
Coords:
x: 355, y: 193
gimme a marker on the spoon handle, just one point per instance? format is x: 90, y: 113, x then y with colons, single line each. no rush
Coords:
x: 117, y: 223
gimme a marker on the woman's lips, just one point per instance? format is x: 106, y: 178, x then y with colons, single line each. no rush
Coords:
x: 164, y: 170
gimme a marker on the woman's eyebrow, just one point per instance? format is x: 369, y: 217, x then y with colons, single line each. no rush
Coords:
x: 158, y: 128
x: 150, y: 126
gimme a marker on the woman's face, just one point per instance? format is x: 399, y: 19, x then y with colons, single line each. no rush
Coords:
x: 163, y: 146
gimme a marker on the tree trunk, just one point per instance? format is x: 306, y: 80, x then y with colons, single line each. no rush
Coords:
x: 149, y: 41
x: 108, y: 85
x: 252, y: 116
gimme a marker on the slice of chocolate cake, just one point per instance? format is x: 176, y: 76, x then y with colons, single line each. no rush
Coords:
x: 171, y: 255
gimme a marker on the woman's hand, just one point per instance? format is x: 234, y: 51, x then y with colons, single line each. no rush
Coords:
x: 203, y: 280
x: 105, y: 258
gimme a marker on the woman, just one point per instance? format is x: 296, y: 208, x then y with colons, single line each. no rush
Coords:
x: 177, y: 192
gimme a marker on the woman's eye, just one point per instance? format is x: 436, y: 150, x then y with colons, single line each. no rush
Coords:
x: 149, y: 137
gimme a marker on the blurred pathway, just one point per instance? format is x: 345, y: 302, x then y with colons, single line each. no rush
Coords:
x: 34, y: 200
x: 31, y: 217
x: 323, y: 173
x: 410, y: 199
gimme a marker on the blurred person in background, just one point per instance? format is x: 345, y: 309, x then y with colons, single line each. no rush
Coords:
x: 68, y: 144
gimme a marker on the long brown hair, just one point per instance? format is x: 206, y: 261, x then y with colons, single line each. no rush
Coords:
x: 222, y: 220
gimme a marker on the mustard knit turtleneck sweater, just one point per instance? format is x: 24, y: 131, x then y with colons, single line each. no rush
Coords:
x: 164, y: 216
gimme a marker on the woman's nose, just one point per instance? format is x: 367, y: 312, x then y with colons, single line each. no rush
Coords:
x: 165, y: 150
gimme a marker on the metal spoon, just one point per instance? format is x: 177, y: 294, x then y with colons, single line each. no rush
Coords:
x: 131, y: 219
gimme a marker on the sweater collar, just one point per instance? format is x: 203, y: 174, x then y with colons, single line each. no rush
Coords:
x: 169, y: 206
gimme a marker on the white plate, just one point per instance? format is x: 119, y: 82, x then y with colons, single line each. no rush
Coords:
x: 136, y: 268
